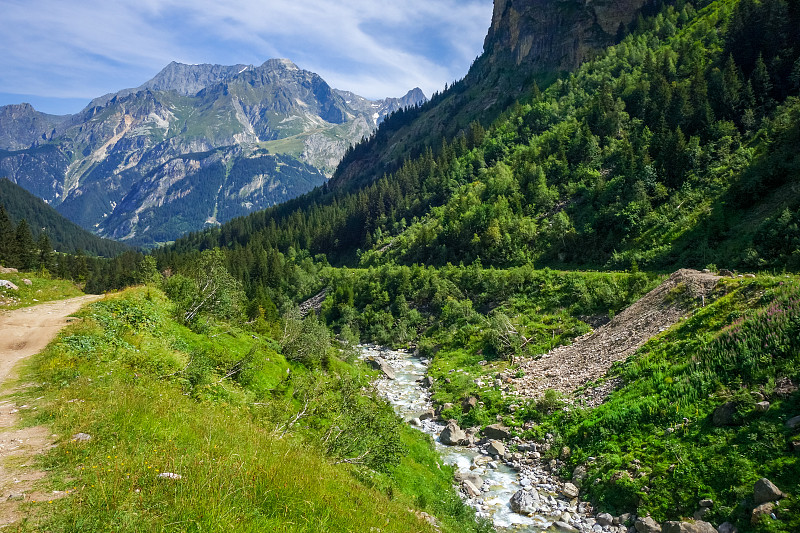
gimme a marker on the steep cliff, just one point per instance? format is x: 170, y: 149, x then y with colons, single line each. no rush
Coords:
x: 528, y: 41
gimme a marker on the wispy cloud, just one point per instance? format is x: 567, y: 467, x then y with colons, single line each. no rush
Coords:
x: 81, y: 49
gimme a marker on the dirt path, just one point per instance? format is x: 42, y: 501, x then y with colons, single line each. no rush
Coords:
x: 567, y: 368
x: 25, y: 332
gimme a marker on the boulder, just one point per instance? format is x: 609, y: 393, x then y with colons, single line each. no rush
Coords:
x: 570, y: 490
x: 497, y: 431
x: 761, y: 510
x: 605, y: 519
x: 470, y: 489
x: 706, y: 502
x: 4, y: 270
x: 379, y: 363
x: 698, y: 526
x: 793, y: 423
x: 469, y: 404
x: 726, y: 415
x: 473, y: 478
x: 430, y: 414
x: 646, y: 525
x: 578, y: 475
x: 524, y: 502
x: 563, y: 526
x: 727, y: 527
x: 453, y: 435
x: 27, y: 282
x: 765, y: 491
x: 427, y: 382
x: 8, y: 285
x: 762, y: 407
x: 496, y: 448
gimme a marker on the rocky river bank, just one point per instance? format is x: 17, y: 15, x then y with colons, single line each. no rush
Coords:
x: 504, y: 478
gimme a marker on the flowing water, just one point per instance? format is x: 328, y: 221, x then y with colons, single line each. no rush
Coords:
x: 500, y: 482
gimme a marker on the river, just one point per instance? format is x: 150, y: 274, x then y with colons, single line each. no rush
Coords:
x: 499, y: 481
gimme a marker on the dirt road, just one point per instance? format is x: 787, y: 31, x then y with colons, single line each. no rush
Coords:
x: 26, y: 331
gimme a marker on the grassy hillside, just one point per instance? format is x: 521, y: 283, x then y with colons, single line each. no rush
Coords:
x: 250, y: 433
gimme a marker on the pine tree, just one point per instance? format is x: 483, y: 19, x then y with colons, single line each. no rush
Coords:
x: 25, y: 247
x: 7, y: 239
x: 45, y: 252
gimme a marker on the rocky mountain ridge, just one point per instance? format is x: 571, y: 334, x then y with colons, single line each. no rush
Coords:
x: 129, y: 163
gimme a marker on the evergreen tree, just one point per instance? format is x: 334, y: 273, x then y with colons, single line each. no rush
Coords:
x: 45, y: 252
x: 7, y: 239
x: 25, y: 247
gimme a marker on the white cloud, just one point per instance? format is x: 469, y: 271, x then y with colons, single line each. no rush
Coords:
x: 83, y: 48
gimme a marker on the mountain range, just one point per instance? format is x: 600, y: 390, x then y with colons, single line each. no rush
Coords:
x: 194, y: 146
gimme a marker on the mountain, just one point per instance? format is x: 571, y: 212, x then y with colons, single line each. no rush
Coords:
x: 529, y: 42
x: 65, y: 236
x: 196, y: 145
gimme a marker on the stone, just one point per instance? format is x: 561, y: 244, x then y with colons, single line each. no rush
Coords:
x: 523, y: 502
x: 761, y: 510
x: 4, y: 270
x: 762, y: 407
x: 473, y: 478
x: 470, y: 489
x: 497, y: 431
x: 764, y: 491
x: 570, y: 490
x: 563, y: 526
x: 452, y: 435
x: 751, y: 276
x: 565, y: 452
x: 169, y: 475
x: 698, y: 526
x: 625, y: 518
x: 726, y: 415
x: 706, y: 502
x: 427, y: 382
x: 496, y: 448
x: 415, y: 422
x: 8, y: 285
x: 605, y: 519
x: 469, y: 404
x: 379, y: 363
x: 578, y: 475
x: 430, y: 414
x: 27, y: 282
x: 81, y: 437
x: 646, y: 525
x: 727, y: 527
x: 793, y: 423
x: 701, y: 513
x: 15, y: 496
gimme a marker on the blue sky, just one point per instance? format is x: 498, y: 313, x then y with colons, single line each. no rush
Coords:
x: 59, y: 54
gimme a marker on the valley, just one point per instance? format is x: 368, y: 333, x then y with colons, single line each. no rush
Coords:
x: 561, y: 295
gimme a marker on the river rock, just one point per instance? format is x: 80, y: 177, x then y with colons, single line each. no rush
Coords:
x: 497, y: 431
x: 427, y: 382
x: 475, y: 479
x: 430, y: 414
x: 470, y: 488
x: 765, y: 491
x: 524, y: 502
x: 563, y: 526
x: 570, y: 490
x: 8, y: 285
x: 496, y: 448
x: 605, y: 519
x: 453, y: 435
x: 698, y: 526
x: 646, y: 525
x: 378, y: 363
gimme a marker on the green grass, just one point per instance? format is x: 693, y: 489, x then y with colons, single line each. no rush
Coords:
x: 154, y: 396
x: 42, y: 289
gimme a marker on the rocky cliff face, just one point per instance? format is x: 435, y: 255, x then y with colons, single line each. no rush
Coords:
x: 528, y: 41
x: 555, y: 35
x: 196, y: 145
